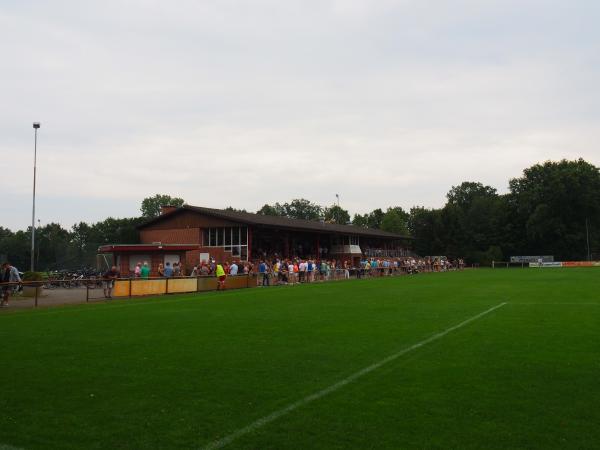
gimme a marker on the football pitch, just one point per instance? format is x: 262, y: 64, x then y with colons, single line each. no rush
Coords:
x: 481, y: 359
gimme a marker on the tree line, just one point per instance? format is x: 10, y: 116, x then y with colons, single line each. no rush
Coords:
x: 552, y: 209
x: 76, y: 248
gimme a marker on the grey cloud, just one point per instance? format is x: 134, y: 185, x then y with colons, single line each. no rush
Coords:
x: 244, y: 103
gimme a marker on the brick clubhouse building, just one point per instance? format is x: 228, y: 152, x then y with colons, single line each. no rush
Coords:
x: 190, y: 234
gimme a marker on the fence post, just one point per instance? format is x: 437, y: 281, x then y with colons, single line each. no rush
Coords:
x: 87, y: 292
x: 493, y: 267
x: 130, y: 288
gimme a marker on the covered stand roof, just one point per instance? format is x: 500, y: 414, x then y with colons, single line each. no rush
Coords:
x: 277, y: 222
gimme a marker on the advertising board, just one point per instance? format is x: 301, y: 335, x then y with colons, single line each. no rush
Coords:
x: 531, y: 259
x: 546, y: 264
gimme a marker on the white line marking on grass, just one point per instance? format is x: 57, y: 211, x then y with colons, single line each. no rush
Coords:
x: 9, y: 447
x: 220, y: 443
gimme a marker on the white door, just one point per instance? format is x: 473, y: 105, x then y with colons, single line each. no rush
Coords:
x: 171, y: 259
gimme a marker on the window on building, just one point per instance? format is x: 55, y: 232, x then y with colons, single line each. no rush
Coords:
x: 232, y: 239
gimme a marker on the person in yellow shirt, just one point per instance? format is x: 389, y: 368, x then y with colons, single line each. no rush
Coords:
x: 221, y: 276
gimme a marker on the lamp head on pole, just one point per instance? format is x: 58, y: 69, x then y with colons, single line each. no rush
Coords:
x: 36, y: 125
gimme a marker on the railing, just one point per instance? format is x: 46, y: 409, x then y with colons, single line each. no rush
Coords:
x: 383, y: 253
x: 40, y: 293
x: 45, y: 293
x: 134, y: 287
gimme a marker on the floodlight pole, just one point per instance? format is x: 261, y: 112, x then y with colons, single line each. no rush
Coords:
x: 37, y: 258
x: 36, y: 126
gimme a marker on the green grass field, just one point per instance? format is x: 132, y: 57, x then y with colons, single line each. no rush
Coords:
x: 188, y: 371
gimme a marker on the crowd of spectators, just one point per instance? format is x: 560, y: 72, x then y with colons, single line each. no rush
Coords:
x: 297, y: 270
x: 278, y: 270
x: 275, y: 270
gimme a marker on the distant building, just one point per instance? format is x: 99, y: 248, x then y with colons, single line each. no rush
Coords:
x: 190, y: 234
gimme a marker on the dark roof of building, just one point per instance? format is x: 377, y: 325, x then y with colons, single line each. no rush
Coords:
x: 277, y: 222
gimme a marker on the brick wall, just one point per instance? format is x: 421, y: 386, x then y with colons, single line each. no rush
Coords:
x: 171, y: 236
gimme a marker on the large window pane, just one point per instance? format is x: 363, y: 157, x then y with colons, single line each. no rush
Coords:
x: 227, y: 236
x: 205, y: 237
x: 244, y: 231
x: 244, y: 253
x: 213, y: 237
x: 235, y: 238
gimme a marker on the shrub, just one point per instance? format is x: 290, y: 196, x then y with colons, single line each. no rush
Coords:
x: 33, y: 276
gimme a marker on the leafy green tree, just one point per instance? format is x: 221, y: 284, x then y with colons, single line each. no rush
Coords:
x: 370, y: 220
x: 118, y: 231
x: 5, y: 232
x: 549, y: 206
x: 151, y: 205
x: 16, y: 247
x: 375, y: 218
x: 53, y: 249
x: 296, y: 209
x: 395, y: 220
x: 336, y: 214
x: 271, y: 210
x: 360, y: 220
x: 301, y: 208
x: 465, y: 193
x: 472, y: 220
x: 231, y: 208
x: 427, y: 227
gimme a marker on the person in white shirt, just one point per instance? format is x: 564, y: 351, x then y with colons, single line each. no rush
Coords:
x: 302, y: 268
x: 233, y: 270
x: 346, y: 270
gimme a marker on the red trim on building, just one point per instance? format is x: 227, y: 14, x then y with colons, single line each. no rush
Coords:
x: 147, y: 248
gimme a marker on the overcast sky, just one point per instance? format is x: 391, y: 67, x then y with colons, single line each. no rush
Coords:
x: 243, y: 103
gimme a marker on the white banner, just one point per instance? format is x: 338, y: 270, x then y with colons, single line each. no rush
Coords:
x: 546, y: 264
